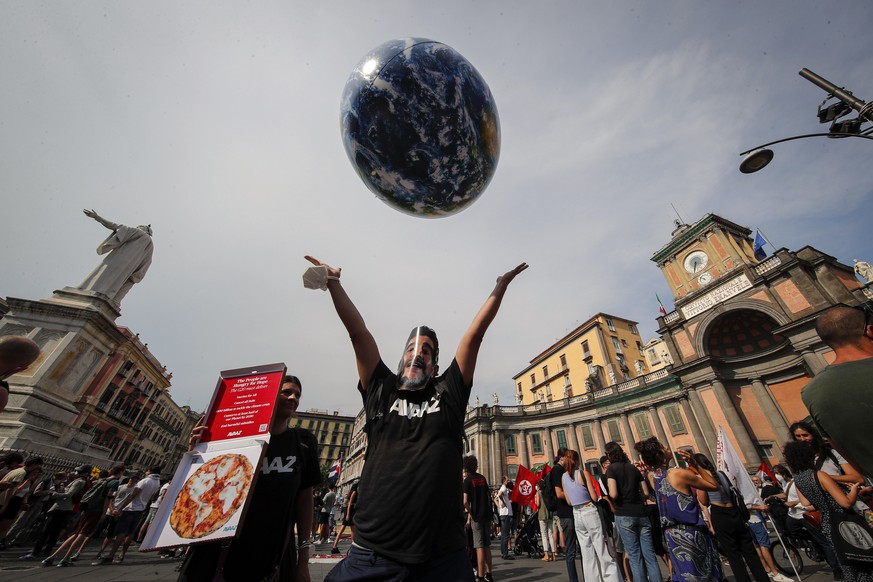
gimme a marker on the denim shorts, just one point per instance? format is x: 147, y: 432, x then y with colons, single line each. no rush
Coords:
x: 759, y: 534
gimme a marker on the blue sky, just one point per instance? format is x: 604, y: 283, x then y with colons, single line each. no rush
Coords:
x: 218, y: 124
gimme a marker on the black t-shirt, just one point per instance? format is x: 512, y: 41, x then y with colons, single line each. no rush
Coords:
x: 411, y: 506
x: 565, y: 510
x: 289, y: 465
x: 476, y: 488
x: 630, y: 497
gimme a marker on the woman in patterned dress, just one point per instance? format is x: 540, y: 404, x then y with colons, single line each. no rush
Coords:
x: 691, y: 547
x: 819, y: 489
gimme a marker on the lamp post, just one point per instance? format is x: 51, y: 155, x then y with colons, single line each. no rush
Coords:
x: 758, y: 157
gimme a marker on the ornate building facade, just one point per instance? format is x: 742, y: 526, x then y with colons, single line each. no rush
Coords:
x: 741, y: 344
x: 603, y: 351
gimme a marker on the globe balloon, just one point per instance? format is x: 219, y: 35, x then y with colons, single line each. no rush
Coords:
x: 420, y: 127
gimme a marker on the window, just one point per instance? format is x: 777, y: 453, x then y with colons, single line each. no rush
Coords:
x: 587, y: 436
x: 563, y: 361
x: 639, y: 347
x: 533, y: 380
x: 623, y: 343
x: 510, y: 445
x: 616, y: 344
x: 561, y: 437
x: 586, y: 353
x: 519, y: 387
x: 674, y: 419
x: 566, y: 380
x: 633, y: 329
x: 613, y: 430
x: 644, y: 429
x: 545, y: 372
x: 548, y: 391
x: 536, y: 443
x: 594, y: 468
x: 765, y: 450
x: 610, y: 325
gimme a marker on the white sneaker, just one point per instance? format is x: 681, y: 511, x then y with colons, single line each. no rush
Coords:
x: 777, y: 577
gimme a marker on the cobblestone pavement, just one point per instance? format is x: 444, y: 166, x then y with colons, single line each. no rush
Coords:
x: 148, y: 567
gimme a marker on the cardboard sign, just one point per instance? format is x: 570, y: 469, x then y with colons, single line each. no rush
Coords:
x: 243, y: 403
x: 210, y: 491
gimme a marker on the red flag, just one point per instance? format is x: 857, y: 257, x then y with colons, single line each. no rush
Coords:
x: 765, y: 469
x: 544, y: 471
x: 596, y: 484
x: 525, y: 490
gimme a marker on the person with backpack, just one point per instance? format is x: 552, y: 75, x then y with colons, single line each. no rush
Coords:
x: 729, y: 516
x: 63, y: 503
x: 546, y: 517
x: 92, y: 505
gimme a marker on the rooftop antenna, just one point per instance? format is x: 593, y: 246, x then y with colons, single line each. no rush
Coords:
x: 681, y: 222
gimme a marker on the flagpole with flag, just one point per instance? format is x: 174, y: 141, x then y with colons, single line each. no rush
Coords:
x: 729, y: 462
x: 760, y: 241
x: 333, y: 474
x: 525, y: 491
x: 660, y: 305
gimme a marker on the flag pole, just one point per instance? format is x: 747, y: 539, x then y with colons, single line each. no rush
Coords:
x: 764, y: 236
x: 782, y: 543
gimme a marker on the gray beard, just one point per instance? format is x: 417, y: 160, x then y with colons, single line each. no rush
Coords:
x: 410, y: 384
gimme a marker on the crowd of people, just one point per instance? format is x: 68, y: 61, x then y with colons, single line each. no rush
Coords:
x: 59, y: 514
x: 672, y: 508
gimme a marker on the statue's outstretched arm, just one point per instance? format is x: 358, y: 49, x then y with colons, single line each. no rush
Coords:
x: 93, y: 214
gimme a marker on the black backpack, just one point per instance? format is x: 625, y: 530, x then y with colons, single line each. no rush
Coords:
x: 736, y: 497
x: 94, y: 498
x: 549, y: 496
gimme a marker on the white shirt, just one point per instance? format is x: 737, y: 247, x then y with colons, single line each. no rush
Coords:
x: 832, y: 468
x: 147, y: 488
x: 503, y: 493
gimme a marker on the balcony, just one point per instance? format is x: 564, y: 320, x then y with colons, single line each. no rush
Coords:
x: 768, y: 265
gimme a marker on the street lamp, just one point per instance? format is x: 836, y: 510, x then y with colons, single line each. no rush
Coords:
x: 758, y: 157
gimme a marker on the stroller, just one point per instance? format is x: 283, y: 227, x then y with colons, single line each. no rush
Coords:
x: 528, y: 538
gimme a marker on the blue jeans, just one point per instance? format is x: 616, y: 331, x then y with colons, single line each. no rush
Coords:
x: 364, y: 564
x: 568, y: 526
x: 505, y: 534
x: 636, y: 534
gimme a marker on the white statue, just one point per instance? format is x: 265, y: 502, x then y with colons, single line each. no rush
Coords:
x: 129, y: 256
x: 639, y: 366
x: 518, y: 398
x: 494, y: 398
x: 864, y: 269
x: 477, y: 401
x: 612, y: 378
x: 666, y: 357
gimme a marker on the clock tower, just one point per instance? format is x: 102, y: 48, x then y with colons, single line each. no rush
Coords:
x: 701, y: 254
x: 742, y: 337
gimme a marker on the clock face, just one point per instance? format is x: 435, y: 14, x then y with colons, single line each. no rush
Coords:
x: 695, y: 262
x: 704, y: 278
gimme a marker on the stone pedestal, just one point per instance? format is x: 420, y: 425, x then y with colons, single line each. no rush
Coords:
x: 76, y: 332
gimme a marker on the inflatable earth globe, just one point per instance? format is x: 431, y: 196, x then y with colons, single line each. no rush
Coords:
x: 420, y: 127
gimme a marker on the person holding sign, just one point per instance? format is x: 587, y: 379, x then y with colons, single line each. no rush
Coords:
x: 414, y: 531
x: 281, y: 498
